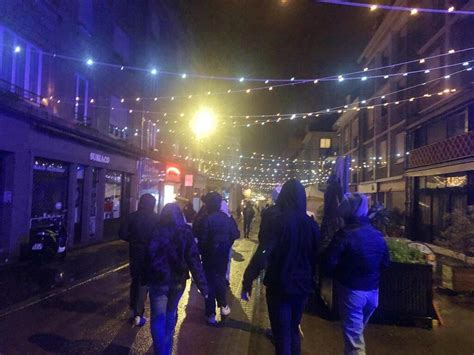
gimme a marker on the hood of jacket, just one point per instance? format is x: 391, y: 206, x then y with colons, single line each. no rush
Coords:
x: 147, y: 203
x: 213, y: 202
x: 292, y: 197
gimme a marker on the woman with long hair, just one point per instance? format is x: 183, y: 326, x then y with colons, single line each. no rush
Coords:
x: 172, y: 254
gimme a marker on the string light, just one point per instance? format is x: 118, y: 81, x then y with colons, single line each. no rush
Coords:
x: 17, y: 49
x: 450, y: 10
x: 89, y: 62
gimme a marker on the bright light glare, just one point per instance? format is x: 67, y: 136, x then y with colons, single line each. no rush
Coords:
x: 17, y: 49
x: 89, y: 61
x: 203, y: 123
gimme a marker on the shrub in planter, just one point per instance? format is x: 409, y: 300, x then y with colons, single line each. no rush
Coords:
x: 401, y: 252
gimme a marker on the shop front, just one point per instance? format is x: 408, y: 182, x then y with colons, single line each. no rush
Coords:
x: 437, y: 196
x: 48, y: 174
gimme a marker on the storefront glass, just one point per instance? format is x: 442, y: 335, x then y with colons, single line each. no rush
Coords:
x: 113, y: 194
x: 78, y: 201
x: 437, y: 197
x: 49, y: 194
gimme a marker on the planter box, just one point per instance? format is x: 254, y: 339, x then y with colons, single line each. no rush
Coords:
x: 406, y: 294
x: 406, y: 291
x: 458, y: 278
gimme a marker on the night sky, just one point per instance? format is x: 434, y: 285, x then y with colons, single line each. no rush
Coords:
x: 275, y: 38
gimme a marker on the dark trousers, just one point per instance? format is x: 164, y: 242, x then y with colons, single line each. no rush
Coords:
x: 285, y: 313
x: 217, y: 284
x: 247, y: 224
x: 138, y: 293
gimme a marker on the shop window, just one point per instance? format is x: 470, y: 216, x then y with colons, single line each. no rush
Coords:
x: 325, y: 143
x: 93, y: 211
x: 49, y: 195
x: 113, y: 194
x: 78, y: 201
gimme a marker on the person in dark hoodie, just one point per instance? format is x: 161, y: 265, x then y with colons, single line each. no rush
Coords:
x: 291, y: 250
x: 137, y: 230
x: 172, y: 254
x: 355, y: 258
x: 216, y: 233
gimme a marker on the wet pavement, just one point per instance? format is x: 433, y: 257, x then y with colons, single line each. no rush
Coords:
x: 91, y: 317
x: 23, y: 282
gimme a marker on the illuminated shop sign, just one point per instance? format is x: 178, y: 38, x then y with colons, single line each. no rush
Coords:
x: 173, y: 174
x: 99, y: 158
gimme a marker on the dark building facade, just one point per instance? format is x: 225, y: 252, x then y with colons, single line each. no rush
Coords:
x: 412, y: 146
x: 70, y: 138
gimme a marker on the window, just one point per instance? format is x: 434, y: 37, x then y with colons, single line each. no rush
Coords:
x: 118, y: 119
x: 20, y: 65
x: 82, y: 98
x: 121, y: 43
x: 113, y: 194
x: 382, y: 153
x: 370, y: 119
x: 457, y: 125
x: 400, y: 147
x: 325, y: 143
x: 85, y: 14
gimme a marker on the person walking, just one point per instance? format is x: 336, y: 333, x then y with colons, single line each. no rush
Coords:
x: 225, y: 210
x: 355, y: 258
x: 137, y: 230
x: 249, y: 214
x: 291, y: 252
x: 216, y: 233
x: 172, y: 254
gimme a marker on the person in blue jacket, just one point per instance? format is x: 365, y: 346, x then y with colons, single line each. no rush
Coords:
x: 355, y: 258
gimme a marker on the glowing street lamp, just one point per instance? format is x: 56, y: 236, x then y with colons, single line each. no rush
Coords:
x: 203, y: 123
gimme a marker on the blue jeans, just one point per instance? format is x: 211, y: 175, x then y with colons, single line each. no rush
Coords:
x: 356, y: 308
x: 285, y: 313
x: 164, y: 302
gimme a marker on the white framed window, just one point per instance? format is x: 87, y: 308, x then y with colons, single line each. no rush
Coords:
x: 400, y: 147
x: 82, y: 99
x: 21, y: 65
x: 325, y: 143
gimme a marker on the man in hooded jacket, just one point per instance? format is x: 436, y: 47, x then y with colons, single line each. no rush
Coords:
x: 216, y: 233
x: 291, y: 253
x: 137, y: 230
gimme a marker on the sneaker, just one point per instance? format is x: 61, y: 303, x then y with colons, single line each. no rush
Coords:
x: 139, y: 321
x: 211, y: 320
x: 225, y: 311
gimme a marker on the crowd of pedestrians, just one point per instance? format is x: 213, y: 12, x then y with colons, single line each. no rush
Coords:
x: 166, y: 249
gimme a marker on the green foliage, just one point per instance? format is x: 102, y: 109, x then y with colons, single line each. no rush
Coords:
x: 459, y: 235
x: 400, y: 252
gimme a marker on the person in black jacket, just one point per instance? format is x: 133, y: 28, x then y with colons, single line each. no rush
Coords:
x: 249, y: 214
x: 291, y: 249
x: 216, y: 233
x: 355, y: 257
x: 137, y: 230
x: 172, y: 254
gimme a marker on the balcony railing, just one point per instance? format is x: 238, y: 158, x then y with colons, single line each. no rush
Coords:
x: 454, y: 148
